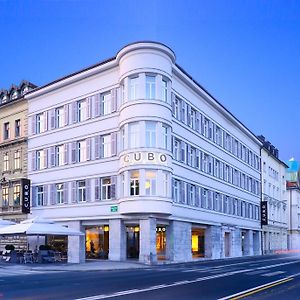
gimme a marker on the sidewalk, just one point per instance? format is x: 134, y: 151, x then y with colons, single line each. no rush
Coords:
x: 104, y: 265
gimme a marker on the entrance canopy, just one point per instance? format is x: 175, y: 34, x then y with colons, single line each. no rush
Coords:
x: 39, y: 226
x: 4, y: 223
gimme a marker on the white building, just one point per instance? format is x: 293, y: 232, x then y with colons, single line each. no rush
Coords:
x: 138, y: 155
x: 274, y: 192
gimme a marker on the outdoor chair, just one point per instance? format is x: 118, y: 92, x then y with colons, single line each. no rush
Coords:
x: 28, y: 257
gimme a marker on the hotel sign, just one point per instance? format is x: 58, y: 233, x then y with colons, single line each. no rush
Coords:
x: 25, y: 196
x: 144, y: 158
x: 264, y: 212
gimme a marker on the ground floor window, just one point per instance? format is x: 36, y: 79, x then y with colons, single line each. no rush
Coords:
x: 198, y: 242
x: 97, y: 242
x: 161, y: 242
x: 133, y: 241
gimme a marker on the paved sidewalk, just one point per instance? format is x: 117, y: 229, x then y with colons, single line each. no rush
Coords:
x: 87, y: 266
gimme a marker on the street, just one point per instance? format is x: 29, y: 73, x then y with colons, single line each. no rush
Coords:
x: 260, y: 277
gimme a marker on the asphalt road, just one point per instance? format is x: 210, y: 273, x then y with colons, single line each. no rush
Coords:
x: 263, y: 277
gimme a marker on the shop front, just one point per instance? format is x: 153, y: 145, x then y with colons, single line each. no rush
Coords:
x: 198, y: 242
x: 97, y: 242
x: 161, y: 242
x: 133, y: 241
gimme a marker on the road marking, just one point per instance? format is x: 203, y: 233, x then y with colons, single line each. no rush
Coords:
x: 273, y: 273
x: 255, y: 272
x: 278, y: 265
x: 162, y: 286
x: 256, y: 289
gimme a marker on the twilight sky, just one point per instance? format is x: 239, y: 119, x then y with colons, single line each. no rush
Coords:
x: 245, y: 53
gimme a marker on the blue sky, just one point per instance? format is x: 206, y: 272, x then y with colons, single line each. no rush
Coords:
x: 245, y: 53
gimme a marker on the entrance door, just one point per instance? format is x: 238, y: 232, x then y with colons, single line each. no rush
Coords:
x: 133, y: 241
x: 227, y: 244
x: 161, y: 242
x: 198, y: 246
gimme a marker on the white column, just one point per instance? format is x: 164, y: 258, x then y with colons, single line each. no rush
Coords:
x: 148, y: 241
x: 117, y: 240
x: 213, y: 242
x: 76, y: 244
x: 179, y: 241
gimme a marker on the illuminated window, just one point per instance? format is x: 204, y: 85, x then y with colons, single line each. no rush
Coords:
x: 17, y: 195
x: 6, y: 161
x: 106, y: 188
x: 134, y: 183
x: 17, y: 159
x: 150, y: 183
x: 4, y: 196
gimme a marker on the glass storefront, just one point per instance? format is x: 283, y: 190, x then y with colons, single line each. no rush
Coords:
x: 133, y: 241
x: 97, y: 242
x: 161, y: 242
x: 198, y: 246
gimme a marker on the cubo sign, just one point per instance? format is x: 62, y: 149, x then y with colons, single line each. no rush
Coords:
x: 25, y: 196
x: 144, y: 158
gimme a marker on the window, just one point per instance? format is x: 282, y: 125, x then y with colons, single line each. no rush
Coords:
x: 165, y: 90
x: 59, y: 155
x: 6, y: 131
x: 165, y: 136
x: 40, y: 159
x: 40, y: 123
x: 150, y: 87
x: 17, y: 159
x: 192, y: 118
x: 6, y: 162
x: 81, y: 110
x: 192, y: 158
x: 17, y: 128
x: 204, y: 198
x: 192, y: 194
x: 133, y: 88
x: 176, y: 190
x: 59, y: 193
x: 59, y: 117
x: 106, y: 103
x: 134, y: 139
x: 134, y: 183
x: 17, y: 189
x: 205, y: 159
x: 81, y: 196
x: 176, y: 150
x: 150, y: 134
x: 150, y: 183
x: 205, y: 127
x: 218, y: 135
x: 81, y: 151
x: 106, y: 188
x: 106, y: 146
x: 39, y: 195
x: 4, y: 196
x: 217, y: 168
x: 176, y: 108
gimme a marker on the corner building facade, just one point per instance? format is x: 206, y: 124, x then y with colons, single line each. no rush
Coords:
x: 139, y: 156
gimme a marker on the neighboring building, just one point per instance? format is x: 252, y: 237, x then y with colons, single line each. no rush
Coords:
x: 147, y: 163
x: 13, y: 150
x: 293, y: 189
x: 274, y: 195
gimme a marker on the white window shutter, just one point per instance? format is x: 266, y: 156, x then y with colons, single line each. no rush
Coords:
x: 33, y: 160
x: 33, y: 124
x: 113, y: 100
x: 74, y: 192
x: 74, y: 112
x: 97, y: 189
x: 74, y: 152
x: 97, y: 105
x: 88, y: 190
x: 45, y: 202
x: 173, y: 103
x: 66, y: 114
x: 66, y: 152
x: 66, y: 185
x: 113, y: 187
x: 52, y: 194
x: 33, y: 196
x: 113, y: 137
x: 52, y: 119
x: 45, y: 158
x: 88, y: 107
x: 45, y: 120
x: 97, y: 147
x: 88, y: 149
x: 52, y: 157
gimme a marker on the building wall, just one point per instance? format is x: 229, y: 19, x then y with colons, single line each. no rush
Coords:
x: 294, y: 221
x: 129, y: 144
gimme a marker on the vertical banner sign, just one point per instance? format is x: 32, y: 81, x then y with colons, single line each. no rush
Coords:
x: 264, y: 212
x: 25, y: 196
